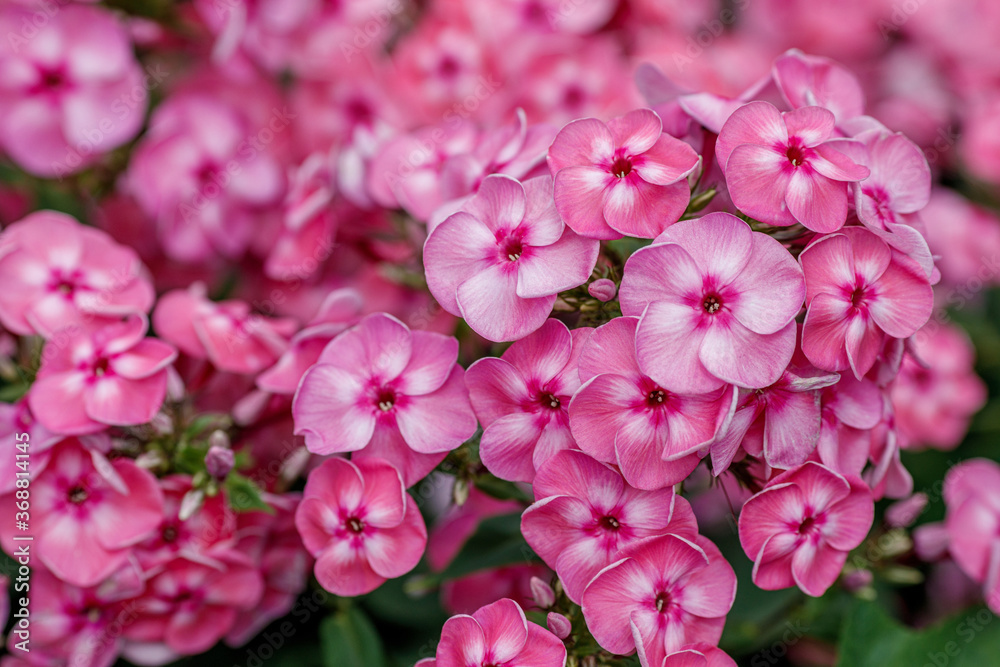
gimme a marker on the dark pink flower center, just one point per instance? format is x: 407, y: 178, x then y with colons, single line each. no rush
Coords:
x: 550, y: 401
x: 511, y: 249
x: 77, y: 495
x: 448, y: 67
x: 101, y: 367
x: 385, y: 400
x: 573, y: 97
x: 712, y: 303
x: 609, y: 523
x: 355, y: 525
x: 52, y: 80
x: 656, y: 398
x: 858, y: 297
x: 662, y: 601
x: 169, y: 534
x: 807, y: 526
x: 621, y: 167
x: 795, y: 155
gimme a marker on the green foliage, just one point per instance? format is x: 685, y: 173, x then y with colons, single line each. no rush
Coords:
x: 244, y: 495
x: 350, y: 640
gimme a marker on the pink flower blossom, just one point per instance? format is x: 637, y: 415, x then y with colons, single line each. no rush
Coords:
x: 622, y: 417
x: 623, y: 178
x: 937, y: 390
x: 972, y: 498
x: 87, y: 513
x: 358, y: 522
x: 806, y: 80
x: 187, y: 607
x: 521, y: 399
x: 98, y: 376
x: 699, y: 655
x: 726, y: 313
x: 586, y: 514
x: 497, y: 634
x: 16, y: 419
x: 466, y: 594
x: 849, y: 410
x: 502, y: 259
x: 57, y: 272
x: 71, y: 88
x: 381, y: 390
x: 784, y: 168
x: 858, y: 291
x: 602, y: 289
x: 665, y: 593
x: 799, y: 529
x: 226, y: 333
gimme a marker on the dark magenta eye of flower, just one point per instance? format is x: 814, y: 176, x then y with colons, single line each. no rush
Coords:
x: 807, y: 525
x: 101, y: 367
x: 609, y: 523
x: 858, y: 297
x: 662, y: 601
x: 169, y: 534
x: 621, y: 167
x: 355, y: 525
x: 386, y: 400
x: 656, y: 398
x: 550, y: 401
x: 712, y: 303
x: 795, y: 155
x: 77, y: 495
x: 511, y: 249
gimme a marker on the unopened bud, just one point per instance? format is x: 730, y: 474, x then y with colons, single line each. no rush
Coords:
x: 559, y: 625
x: 543, y: 594
x: 602, y: 289
x: 219, y: 461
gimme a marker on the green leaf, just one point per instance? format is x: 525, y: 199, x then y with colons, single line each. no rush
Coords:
x: 350, y: 640
x: 502, y: 489
x: 244, y: 496
x: 871, y: 638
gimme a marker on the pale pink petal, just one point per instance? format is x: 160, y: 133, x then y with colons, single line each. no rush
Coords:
x: 820, y: 486
x: 342, y: 571
x: 770, y: 289
x: 791, y: 428
x: 542, y: 355
x: 496, y: 389
x: 709, y: 592
x: 601, y: 407
x: 546, y: 270
x: 384, y: 501
x: 508, y: 444
x: 637, y: 208
x: 720, y: 243
x: 439, y: 421
x: 489, y: 303
x: 667, y: 344
x: 811, y: 124
x: 499, y: 204
x: 639, y: 448
x: 644, y: 282
x: 338, y: 483
x: 871, y: 255
x: 392, y: 552
x: 388, y: 444
x: 863, y: 343
x: 328, y: 412
x: 115, y: 400
x: 57, y: 401
x: 430, y: 364
x: 834, y: 164
x: 735, y: 354
x: 816, y: 201
x: 824, y: 334
x: 754, y: 123
x: 458, y: 248
x: 542, y: 224
x: 143, y: 359
x: 758, y: 178
x: 636, y: 131
x: 580, y: 192
x: 668, y: 161
x: 904, y: 302
x: 587, y: 141
x: 828, y: 265
x: 553, y: 524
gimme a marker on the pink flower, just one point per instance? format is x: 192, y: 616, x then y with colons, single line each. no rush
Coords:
x: 602, y: 289
x: 783, y: 168
x: 726, y: 313
x: 858, y: 291
x: 780, y: 422
x: 502, y: 259
x: 380, y: 390
x: 101, y: 375
x: 622, y: 417
x: 80, y: 626
x: 87, y: 513
x: 665, y: 593
x: 187, y: 607
x: 466, y: 594
x: 806, y: 80
x: 71, y: 88
x: 15, y: 419
x: 972, y: 498
x: 586, y: 514
x: 497, y: 634
x: 225, y: 332
x: 358, y: 522
x: 623, y: 178
x: 57, y: 272
x: 799, y: 529
x: 521, y: 399
x: 937, y: 390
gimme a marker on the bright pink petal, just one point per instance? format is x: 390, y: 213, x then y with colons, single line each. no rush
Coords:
x: 904, y: 302
x: 342, y: 571
x: 489, y: 303
x: 754, y: 123
x: 463, y: 643
x: 327, y: 411
x: 735, y: 354
x: 143, y: 359
x: 668, y: 161
x: 587, y: 141
x: 770, y: 512
x: 609, y: 600
x: 431, y: 362
x: 639, y: 448
x: 392, y: 552
x: 508, y: 444
x: 791, y: 428
x: 546, y: 270
x: 384, y: 500
x: 637, y: 131
x: 824, y: 334
x: 115, y: 400
x: 541, y: 649
x: 667, y: 344
x: 496, y: 387
x: 816, y: 201
x: 637, y: 208
x: 580, y: 192
x: 816, y: 568
x: 611, y: 349
x: 439, y: 421
x: 504, y: 627
x: 598, y: 410
x: 828, y: 265
x: 811, y: 124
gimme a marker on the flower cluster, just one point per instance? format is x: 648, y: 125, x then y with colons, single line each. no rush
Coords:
x: 330, y: 294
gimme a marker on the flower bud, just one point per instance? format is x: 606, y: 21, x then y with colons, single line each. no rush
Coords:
x: 543, y: 594
x: 602, y: 289
x: 559, y: 625
x: 219, y: 461
x: 858, y: 579
x: 219, y: 438
x: 903, y: 513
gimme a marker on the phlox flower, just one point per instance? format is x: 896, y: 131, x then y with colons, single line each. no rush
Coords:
x: 717, y: 303
x: 806, y: 80
x: 521, y: 399
x: 101, y: 375
x: 225, y: 333
x: 381, y: 390
x: 858, y: 291
x: 623, y: 417
x: 57, y: 272
x: 497, y: 634
x: 63, y: 86
x: 784, y: 168
x: 800, y: 528
x: 500, y: 261
x: 698, y: 655
x: 623, y: 178
x: 359, y: 523
x: 586, y: 513
x: 666, y: 592
x: 87, y: 513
